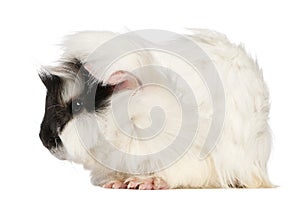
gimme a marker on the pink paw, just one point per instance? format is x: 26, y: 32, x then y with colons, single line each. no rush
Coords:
x: 116, y: 184
x: 152, y: 183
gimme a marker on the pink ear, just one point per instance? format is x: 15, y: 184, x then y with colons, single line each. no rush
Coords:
x: 124, y: 80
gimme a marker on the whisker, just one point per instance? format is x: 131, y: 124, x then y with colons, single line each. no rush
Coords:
x: 57, y: 113
x: 56, y: 105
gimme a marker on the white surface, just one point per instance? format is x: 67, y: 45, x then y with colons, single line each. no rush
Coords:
x: 29, y: 31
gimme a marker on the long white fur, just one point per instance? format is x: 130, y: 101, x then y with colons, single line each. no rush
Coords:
x: 243, y: 150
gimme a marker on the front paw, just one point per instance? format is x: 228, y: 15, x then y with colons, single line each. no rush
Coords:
x: 145, y: 183
x: 115, y: 184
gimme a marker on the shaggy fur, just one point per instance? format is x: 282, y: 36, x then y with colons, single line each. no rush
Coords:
x: 240, y: 156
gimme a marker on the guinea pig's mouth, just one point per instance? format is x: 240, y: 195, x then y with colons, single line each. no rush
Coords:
x: 59, y: 152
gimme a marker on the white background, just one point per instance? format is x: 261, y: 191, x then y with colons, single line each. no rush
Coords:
x: 29, y: 31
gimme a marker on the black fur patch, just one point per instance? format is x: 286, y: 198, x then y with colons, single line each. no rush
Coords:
x: 95, y: 97
x: 56, y: 113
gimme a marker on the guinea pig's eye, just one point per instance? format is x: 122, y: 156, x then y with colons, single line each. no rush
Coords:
x: 77, y: 105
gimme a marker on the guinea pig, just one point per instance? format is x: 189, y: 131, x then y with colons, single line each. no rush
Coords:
x: 153, y: 109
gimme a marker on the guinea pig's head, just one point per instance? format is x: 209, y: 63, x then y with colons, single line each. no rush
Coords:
x: 73, y: 93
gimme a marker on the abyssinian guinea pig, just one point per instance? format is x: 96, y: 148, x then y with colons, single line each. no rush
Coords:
x: 153, y: 109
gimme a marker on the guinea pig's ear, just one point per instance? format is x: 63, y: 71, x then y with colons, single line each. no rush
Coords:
x: 123, y: 80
